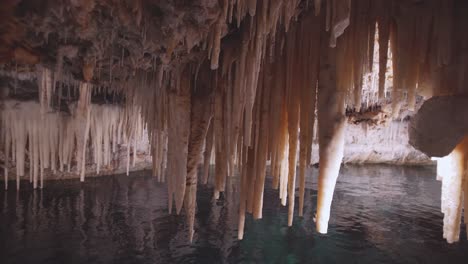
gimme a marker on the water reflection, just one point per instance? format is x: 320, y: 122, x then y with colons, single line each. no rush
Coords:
x: 379, y: 214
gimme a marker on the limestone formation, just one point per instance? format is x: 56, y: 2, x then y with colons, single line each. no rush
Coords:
x: 248, y: 81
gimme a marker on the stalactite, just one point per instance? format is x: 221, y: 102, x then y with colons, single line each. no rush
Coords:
x: 200, y: 116
x: 442, y: 25
x: 219, y: 137
x: 293, y: 97
x: 397, y: 90
x: 7, y: 140
x: 251, y: 176
x: 331, y: 122
x: 216, y: 46
x: 465, y: 197
x: 45, y: 86
x: 208, y: 152
x: 311, y: 45
x: 384, y: 38
x: 158, y: 143
x: 5, y: 175
x: 277, y: 109
x: 359, y: 28
x: 252, y: 7
x: 248, y: 161
x: 317, y: 7
x: 82, y: 114
x: 227, y: 113
x: 340, y: 18
x: 238, y: 96
x: 452, y: 170
x: 251, y: 78
x: 178, y: 135
x: 261, y: 155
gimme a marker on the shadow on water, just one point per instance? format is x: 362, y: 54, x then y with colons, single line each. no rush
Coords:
x: 380, y: 214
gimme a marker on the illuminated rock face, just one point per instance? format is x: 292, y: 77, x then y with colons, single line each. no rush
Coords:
x: 386, y: 143
x: 269, y: 69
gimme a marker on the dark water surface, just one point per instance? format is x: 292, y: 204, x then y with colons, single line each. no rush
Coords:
x: 380, y: 214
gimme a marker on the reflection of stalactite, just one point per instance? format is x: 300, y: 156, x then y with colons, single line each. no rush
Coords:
x: 228, y: 215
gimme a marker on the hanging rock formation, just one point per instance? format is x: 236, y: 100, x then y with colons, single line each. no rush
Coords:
x: 439, y: 125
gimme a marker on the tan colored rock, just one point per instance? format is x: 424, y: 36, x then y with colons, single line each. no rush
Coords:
x: 439, y: 125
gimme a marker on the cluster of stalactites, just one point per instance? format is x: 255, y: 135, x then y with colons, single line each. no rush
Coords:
x: 266, y: 14
x: 452, y: 170
x: 403, y: 28
x: 428, y: 46
x: 192, y: 112
x: 425, y: 40
x: 281, y: 103
x: 264, y: 110
x: 34, y: 133
x: 270, y: 83
x: 282, y: 69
